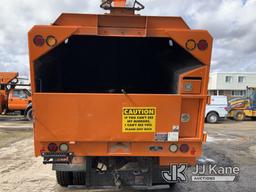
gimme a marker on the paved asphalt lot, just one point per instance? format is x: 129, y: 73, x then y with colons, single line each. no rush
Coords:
x: 229, y: 144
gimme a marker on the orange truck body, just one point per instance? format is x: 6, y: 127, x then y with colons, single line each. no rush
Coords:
x: 5, y: 79
x: 18, y: 99
x: 92, y: 123
x: 12, y: 99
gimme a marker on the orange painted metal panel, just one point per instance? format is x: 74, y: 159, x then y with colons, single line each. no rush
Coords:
x: 116, y: 25
x: 71, y: 19
x: 98, y: 117
x: 17, y: 103
x: 132, y: 149
x: 195, y: 89
x: 93, y: 121
x: 7, y: 77
x: 90, y: 20
x: 190, y: 107
x: 166, y: 23
x: 200, y: 73
x: 122, y: 32
x: 61, y: 33
x: 182, y: 36
x: 166, y: 161
x: 120, y: 21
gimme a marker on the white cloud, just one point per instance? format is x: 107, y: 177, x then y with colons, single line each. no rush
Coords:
x: 231, y: 22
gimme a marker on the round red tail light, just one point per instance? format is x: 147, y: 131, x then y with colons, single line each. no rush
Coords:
x: 184, y: 148
x: 52, y: 147
x: 202, y: 45
x: 38, y: 40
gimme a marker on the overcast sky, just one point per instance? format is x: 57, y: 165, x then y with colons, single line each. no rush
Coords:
x: 231, y: 22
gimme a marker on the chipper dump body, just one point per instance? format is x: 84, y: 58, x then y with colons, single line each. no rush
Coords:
x: 115, y: 90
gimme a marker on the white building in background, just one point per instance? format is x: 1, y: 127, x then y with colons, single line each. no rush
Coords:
x: 231, y: 83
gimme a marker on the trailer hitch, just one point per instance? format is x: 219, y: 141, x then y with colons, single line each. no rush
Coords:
x: 59, y: 158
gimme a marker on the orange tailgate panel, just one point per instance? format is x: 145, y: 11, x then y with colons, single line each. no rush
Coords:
x: 98, y: 117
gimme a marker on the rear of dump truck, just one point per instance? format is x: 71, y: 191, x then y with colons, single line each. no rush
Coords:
x: 118, y: 97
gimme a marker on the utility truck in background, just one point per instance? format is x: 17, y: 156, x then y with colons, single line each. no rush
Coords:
x: 12, y: 99
x: 118, y: 97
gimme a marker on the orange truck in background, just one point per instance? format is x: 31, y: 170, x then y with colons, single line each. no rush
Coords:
x: 118, y: 97
x: 12, y: 99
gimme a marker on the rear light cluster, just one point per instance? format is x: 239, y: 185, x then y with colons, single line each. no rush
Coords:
x: 39, y: 40
x: 53, y: 147
x: 202, y: 45
x: 191, y: 44
x: 184, y: 148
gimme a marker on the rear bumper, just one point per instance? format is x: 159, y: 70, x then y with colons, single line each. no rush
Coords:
x: 142, y: 149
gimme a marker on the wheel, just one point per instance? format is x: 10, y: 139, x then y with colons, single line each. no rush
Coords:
x: 239, y: 115
x: 78, y: 178
x: 29, y: 115
x: 212, y: 117
x: 64, y: 178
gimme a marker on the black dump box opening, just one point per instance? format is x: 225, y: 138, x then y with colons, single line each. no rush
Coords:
x: 94, y: 64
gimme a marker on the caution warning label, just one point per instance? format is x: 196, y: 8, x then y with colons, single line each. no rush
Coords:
x: 139, y: 119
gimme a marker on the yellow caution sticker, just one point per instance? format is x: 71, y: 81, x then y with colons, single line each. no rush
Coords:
x: 139, y: 119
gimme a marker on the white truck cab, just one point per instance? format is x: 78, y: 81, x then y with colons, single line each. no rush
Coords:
x: 217, y: 109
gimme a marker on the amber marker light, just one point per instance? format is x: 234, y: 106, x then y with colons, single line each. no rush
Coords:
x: 191, y: 44
x: 51, y: 41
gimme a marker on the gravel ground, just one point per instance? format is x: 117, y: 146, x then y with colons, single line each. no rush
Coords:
x: 229, y: 143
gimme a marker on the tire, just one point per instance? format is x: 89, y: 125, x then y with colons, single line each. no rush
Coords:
x: 78, y: 178
x: 212, y: 117
x: 64, y: 178
x: 29, y: 115
x: 239, y: 115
